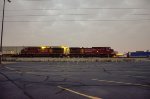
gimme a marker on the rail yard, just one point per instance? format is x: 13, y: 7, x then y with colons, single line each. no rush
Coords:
x: 74, y: 49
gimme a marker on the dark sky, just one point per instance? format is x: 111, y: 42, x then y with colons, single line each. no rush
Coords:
x: 121, y: 24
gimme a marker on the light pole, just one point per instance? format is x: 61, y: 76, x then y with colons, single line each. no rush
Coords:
x: 1, y: 46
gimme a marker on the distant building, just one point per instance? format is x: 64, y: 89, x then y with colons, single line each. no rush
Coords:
x: 12, y: 49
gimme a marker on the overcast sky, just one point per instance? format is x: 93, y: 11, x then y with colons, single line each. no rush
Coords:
x: 123, y: 25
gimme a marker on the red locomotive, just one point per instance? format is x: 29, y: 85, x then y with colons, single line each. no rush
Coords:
x: 42, y: 52
x: 92, y: 52
x: 65, y: 51
x: 103, y: 52
x: 75, y: 52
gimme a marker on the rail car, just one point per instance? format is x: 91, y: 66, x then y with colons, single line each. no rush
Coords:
x: 138, y: 54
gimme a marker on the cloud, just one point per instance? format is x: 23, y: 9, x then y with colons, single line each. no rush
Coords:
x: 54, y: 28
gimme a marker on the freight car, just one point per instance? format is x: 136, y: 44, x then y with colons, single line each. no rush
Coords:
x: 138, y: 54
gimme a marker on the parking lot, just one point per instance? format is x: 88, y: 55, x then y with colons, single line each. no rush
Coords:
x: 75, y: 80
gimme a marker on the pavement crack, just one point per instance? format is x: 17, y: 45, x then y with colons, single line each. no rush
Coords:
x: 46, y: 79
x: 22, y: 89
x: 27, y: 94
x: 60, y: 91
x: 106, y: 71
x: 65, y: 79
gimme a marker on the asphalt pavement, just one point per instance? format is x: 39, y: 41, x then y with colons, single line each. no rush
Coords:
x: 75, y: 80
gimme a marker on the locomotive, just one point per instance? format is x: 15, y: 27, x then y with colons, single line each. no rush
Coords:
x: 44, y: 51
x: 63, y: 51
x: 92, y: 52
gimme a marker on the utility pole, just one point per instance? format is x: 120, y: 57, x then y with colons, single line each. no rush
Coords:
x: 2, y: 29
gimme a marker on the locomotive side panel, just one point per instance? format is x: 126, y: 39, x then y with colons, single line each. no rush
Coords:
x: 88, y: 52
x: 102, y: 52
x: 57, y: 52
x: 76, y: 52
x: 29, y: 52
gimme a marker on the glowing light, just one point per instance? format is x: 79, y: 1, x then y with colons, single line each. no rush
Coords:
x: 119, y: 54
x: 43, y: 47
x: 66, y: 49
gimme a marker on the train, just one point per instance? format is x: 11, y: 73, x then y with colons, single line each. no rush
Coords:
x: 63, y: 51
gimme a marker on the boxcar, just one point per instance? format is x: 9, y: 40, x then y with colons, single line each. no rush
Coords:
x: 139, y: 54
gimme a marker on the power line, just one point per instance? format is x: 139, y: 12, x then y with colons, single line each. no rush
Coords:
x: 82, y: 14
x: 141, y: 14
x: 36, y: 0
x: 76, y: 9
x: 47, y: 15
x: 81, y: 20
